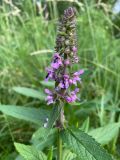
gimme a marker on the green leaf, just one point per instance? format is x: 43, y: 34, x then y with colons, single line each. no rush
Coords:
x: 44, y: 137
x: 54, y: 116
x: 85, y: 125
x: 42, y: 132
x: 47, y: 84
x: 68, y: 155
x: 105, y: 134
x: 29, y: 92
x: 51, y: 120
x: 43, y: 143
x: 26, y: 113
x: 84, y: 146
x: 29, y: 152
x: 19, y: 158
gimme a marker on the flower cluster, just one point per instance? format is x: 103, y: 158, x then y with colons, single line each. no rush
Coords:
x: 65, y: 55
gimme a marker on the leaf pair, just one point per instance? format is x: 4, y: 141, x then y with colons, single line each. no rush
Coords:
x: 82, y: 146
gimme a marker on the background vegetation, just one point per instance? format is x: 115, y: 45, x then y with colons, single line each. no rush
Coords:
x: 26, y: 45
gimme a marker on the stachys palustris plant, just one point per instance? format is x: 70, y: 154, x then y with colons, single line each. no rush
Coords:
x: 65, y: 56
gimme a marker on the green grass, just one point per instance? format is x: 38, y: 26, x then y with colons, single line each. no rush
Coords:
x: 24, y: 37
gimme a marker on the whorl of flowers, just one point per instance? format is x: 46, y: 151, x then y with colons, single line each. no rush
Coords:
x: 65, y: 56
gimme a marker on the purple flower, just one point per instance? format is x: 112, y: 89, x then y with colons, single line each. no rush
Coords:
x: 67, y: 62
x: 47, y: 91
x: 65, y: 82
x: 70, y: 81
x: 50, y: 75
x: 75, y: 79
x: 74, y: 49
x: 76, y: 76
x: 57, y: 61
x: 72, y: 97
x: 76, y: 90
x: 70, y: 12
x: 68, y: 99
x: 49, y: 100
x: 50, y: 97
x: 81, y: 71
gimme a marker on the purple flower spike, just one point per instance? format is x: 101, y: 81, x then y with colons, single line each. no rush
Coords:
x: 65, y: 56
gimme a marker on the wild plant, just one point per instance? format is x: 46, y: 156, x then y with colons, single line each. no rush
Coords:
x: 56, y: 139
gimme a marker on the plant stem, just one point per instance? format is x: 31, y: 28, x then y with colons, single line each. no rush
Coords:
x: 59, y: 156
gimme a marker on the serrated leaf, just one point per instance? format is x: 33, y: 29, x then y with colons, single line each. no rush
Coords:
x: 68, y: 155
x: 84, y: 146
x: 105, y: 134
x: 29, y: 92
x: 25, y: 113
x: 29, y: 152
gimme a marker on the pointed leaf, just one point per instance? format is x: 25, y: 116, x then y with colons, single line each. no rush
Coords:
x: 29, y: 152
x: 29, y: 92
x: 26, y: 113
x: 84, y: 146
x: 85, y: 125
x: 53, y: 116
x: 105, y: 134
